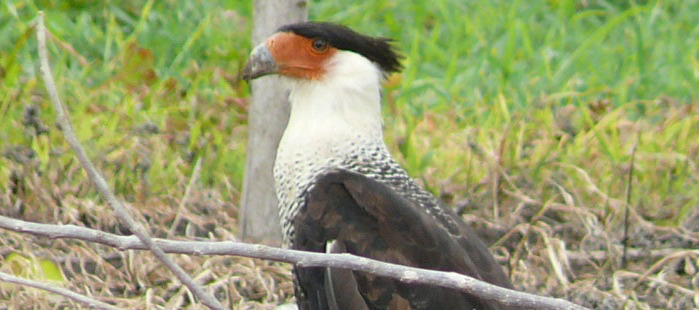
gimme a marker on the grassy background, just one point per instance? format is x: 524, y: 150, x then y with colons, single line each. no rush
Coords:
x: 522, y: 113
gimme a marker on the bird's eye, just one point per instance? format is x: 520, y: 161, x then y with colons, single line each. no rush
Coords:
x: 319, y: 45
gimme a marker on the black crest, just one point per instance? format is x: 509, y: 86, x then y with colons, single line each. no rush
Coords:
x: 378, y: 50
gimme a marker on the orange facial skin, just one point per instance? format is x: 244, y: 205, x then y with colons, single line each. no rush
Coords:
x: 298, y: 56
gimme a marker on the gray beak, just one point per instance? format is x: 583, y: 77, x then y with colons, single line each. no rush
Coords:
x: 261, y: 63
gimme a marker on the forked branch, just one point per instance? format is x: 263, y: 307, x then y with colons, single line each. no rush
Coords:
x: 98, y: 180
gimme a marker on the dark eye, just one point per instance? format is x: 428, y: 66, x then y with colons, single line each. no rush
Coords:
x: 319, y: 45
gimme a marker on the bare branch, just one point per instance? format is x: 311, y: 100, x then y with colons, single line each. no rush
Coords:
x: 57, y: 290
x: 99, y: 181
x: 405, y: 274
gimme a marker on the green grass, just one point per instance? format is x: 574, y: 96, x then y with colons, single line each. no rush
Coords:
x: 144, y: 66
x: 555, y: 91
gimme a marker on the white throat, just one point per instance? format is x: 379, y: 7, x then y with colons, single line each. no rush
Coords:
x: 344, y: 104
x: 331, y: 118
x: 335, y: 122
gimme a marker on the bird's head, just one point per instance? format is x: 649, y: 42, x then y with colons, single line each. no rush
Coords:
x: 310, y: 50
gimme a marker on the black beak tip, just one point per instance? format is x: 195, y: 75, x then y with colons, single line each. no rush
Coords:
x: 246, y: 75
x: 261, y: 63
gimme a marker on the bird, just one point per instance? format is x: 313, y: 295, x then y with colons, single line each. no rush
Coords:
x: 341, y: 191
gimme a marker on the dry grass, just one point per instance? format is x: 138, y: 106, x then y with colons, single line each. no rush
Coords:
x: 136, y: 280
x: 560, y: 239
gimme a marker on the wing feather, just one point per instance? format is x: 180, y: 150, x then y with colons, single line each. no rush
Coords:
x: 371, y: 219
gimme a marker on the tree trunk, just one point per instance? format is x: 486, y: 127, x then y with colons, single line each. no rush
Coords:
x: 269, y: 113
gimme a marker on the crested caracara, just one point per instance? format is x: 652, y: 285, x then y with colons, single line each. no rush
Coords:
x: 339, y: 188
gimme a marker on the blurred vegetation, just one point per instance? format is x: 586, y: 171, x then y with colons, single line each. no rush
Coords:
x: 153, y: 86
x: 499, y: 100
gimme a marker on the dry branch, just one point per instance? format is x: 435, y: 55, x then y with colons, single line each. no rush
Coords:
x: 57, y: 290
x: 405, y: 274
x: 99, y: 181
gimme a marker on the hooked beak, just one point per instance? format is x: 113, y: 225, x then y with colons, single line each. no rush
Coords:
x: 261, y: 63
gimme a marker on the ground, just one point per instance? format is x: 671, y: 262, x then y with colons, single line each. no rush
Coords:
x: 542, y: 122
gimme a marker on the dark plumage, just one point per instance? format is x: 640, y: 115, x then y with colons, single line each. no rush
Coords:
x: 378, y: 50
x: 370, y: 219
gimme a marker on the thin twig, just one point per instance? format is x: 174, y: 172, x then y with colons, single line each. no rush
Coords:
x: 187, y: 192
x: 71, y: 50
x: 578, y: 258
x: 679, y: 288
x: 497, y: 167
x: 653, y: 268
x: 99, y: 181
x: 629, y: 188
x: 520, y: 300
x: 57, y: 290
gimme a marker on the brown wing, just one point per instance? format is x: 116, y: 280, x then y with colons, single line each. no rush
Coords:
x: 370, y: 219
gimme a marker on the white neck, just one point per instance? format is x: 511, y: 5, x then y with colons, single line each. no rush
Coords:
x: 333, y: 120
x: 345, y: 103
